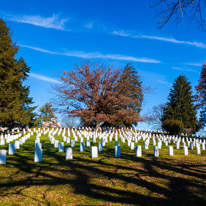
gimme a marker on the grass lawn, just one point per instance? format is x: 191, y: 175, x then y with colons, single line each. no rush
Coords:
x: 106, y: 180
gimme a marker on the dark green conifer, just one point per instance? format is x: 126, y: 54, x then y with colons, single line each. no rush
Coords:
x: 180, y: 105
x: 15, y: 109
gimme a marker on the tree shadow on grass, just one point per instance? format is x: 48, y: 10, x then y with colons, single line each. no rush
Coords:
x: 83, y: 170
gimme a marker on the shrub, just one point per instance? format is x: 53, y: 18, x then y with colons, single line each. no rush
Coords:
x: 173, y: 126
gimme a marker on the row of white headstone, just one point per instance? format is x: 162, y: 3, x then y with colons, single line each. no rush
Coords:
x: 12, y: 147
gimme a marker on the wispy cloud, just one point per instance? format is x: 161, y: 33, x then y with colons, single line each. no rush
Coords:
x: 89, y: 25
x: 164, y: 82
x: 94, y: 55
x: 194, y: 64
x: 159, y: 38
x: 44, y: 78
x: 185, y: 69
x: 53, y: 22
x: 121, y: 33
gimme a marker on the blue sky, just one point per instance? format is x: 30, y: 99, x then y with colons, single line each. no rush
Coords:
x: 54, y: 35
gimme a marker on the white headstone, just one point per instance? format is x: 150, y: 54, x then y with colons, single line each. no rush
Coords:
x: 170, y: 149
x: 69, y: 153
x: 132, y: 145
x: 56, y: 143
x: 67, y: 140
x: 88, y: 143
x: 61, y: 147
x: 146, y: 145
x: 37, y: 154
x: 2, y: 157
x: 11, y: 149
x: 100, y: 147
x: 94, y: 152
x: 82, y: 147
x: 117, y: 151
x: 72, y: 143
x: 185, y: 150
x: 138, y: 151
x: 156, y: 151
x: 198, y: 149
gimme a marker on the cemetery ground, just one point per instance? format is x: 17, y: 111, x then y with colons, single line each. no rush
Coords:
x: 106, y: 180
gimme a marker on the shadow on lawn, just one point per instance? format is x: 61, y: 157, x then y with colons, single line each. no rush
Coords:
x: 178, y: 191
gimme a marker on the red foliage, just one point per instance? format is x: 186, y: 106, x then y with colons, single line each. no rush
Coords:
x: 97, y: 93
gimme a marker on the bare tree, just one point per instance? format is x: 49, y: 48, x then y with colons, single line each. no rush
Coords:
x: 156, y: 116
x: 177, y: 10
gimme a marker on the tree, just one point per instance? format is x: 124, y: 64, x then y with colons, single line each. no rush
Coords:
x: 180, y: 105
x: 173, y: 126
x: 201, y: 97
x: 98, y: 94
x: 156, y: 116
x: 15, y: 109
x: 47, y: 112
x: 177, y: 10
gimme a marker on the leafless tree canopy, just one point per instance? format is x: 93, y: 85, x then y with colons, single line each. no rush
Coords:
x: 177, y: 10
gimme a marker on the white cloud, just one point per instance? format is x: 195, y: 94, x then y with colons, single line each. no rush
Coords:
x: 44, y: 78
x: 94, y: 55
x: 89, y: 25
x: 53, y: 22
x: 184, y: 69
x: 164, y: 82
x: 159, y: 38
x: 194, y: 64
x: 121, y: 33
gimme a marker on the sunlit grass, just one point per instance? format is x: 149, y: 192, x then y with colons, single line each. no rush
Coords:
x: 146, y: 180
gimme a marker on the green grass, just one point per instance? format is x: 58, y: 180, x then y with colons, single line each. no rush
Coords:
x: 106, y: 180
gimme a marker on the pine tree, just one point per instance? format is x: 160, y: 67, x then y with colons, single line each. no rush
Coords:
x: 47, y: 112
x: 15, y: 103
x: 133, y: 90
x: 180, y: 104
x: 201, y: 97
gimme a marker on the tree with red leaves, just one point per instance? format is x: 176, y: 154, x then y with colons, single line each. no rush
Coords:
x: 99, y: 94
x: 201, y: 97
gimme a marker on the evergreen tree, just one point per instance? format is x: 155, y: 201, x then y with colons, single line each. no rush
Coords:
x: 180, y: 105
x: 15, y: 103
x: 132, y: 89
x: 47, y: 112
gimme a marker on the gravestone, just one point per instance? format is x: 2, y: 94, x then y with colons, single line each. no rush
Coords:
x: 69, y: 153
x: 178, y: 145
x: 72, y: 143
x: 56, y: 143
x: 185, y: 150
x: 11, y: 149
x: 117, y: 151
x: 82, y: 147
x: 94, y: 152
x: 88, y: 143
x: 2, y: 156
x: 132, y: 145
x: 61, y: 147
x: 100, y: 147
x: 138, y: 151
x: 156, y: 151
x: 146, y: 145
x: 37, y: 154
x: 170, y: 150
x: 198, y: 150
